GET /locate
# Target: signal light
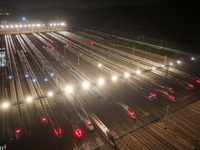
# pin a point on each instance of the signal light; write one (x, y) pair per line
(190, 85)
(52, 42)
(44, 119)
(52, 74)
(18, 131)
(170, 88)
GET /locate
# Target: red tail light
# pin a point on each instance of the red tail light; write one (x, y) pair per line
(52, 42)
(78, 133)
(171, 97)
(52, 47)
(131, 112)
(56, 132)
(198, 81)
(92, 43)
(170, 88)
(59, 131)
(190, 85)
(153, 94)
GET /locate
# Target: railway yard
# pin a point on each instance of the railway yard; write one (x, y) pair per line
(68, 90)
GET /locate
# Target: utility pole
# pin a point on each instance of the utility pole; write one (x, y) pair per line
(3, 125)
(133, 50)
(167, 110)
(65, 50)
(4, 120)
(43, 65)
(78, 60)
(165, 60)
(198, 134)
(78, 39)
(92, 50)
(56, 46)
(138, 64)
(109, 53)
(161, 42)
(166, 116)
(57, 83)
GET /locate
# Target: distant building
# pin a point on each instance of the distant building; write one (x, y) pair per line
(8, 9)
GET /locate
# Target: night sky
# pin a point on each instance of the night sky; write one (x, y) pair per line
(24, 4)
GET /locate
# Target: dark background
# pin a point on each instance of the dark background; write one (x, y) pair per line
(175, 20)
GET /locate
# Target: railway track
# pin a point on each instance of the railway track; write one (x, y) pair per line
(35, 60)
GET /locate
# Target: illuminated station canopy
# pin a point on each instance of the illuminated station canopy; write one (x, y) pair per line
(35, 25)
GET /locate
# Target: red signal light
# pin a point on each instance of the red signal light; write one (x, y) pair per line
(89, 123)
(18, 131)
(44, 119)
